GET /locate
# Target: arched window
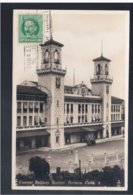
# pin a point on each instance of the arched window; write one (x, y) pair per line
(106, 69)
(56, 57)
(98, 69)
(46, 56)
(107, 131)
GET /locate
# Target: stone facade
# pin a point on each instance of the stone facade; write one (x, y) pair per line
(70, 114)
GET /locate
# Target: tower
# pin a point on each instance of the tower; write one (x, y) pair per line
(51, 76)
(101, 85)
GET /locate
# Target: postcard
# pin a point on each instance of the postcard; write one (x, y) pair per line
(70, 100)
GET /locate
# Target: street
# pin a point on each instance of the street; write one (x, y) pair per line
(67, 159)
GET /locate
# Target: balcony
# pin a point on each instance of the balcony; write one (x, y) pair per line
(82, 124)
(51, 70)
(101, 78)
(28, 128)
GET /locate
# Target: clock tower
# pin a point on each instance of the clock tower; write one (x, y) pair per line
(51, 76)
(101, 85)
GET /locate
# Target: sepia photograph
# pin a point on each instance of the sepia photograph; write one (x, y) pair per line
(70, 100)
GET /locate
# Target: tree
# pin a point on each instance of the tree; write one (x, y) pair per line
(40, 167)
(112, 175)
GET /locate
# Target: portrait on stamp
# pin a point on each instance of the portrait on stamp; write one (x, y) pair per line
(30, 28)
(70, 101)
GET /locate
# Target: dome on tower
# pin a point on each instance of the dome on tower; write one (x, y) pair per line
(101, 58)
(52, 42)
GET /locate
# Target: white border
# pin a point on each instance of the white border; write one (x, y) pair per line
(14, 187)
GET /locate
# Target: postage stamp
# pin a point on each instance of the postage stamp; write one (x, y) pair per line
(30, 28)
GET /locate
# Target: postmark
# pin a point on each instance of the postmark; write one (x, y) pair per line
(30, 56)
(30, 28)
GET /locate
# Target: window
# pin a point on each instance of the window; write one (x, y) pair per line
(79, 108)
(25, 107)
(86, 108)
(71, 119)
(57, 139)
(64, 108)
(36, 107)
(107, 89)
(96, 108)
(30, 120)
(31, 107)
(92, 108)
(106, 69)
(82, 108)
(85, 118)
(18, 107)
(67, 120)
(67, 108)
(41, 107)
(78, 119)
(46, 56)
(24, 121)
(56, 57)
(98, 69)
(18, 121)
(36, 120)
(82, 119)
(71, 108)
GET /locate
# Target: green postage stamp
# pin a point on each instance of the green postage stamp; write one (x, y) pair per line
(30, 28)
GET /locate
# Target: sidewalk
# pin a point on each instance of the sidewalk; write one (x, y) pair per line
(117, 137)
(79, 145)
(73, 146)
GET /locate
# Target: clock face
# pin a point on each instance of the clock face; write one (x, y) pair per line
(58, 82)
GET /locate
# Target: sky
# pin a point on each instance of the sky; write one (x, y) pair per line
(82, 32)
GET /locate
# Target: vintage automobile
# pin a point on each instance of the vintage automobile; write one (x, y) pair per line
(91, 140)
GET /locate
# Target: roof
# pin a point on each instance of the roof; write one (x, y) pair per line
(28, 92)
(82, 85)
(51, 41)
(34, 82)
(85, 99)
(68, 87)
(116, 100)
(22, 89)
(101, 58)
(32, 133)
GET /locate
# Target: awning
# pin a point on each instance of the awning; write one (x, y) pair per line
(93, 128)
(89, 129)
(118, 124)
(74, 130)
(83, 129)
(32, 133)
